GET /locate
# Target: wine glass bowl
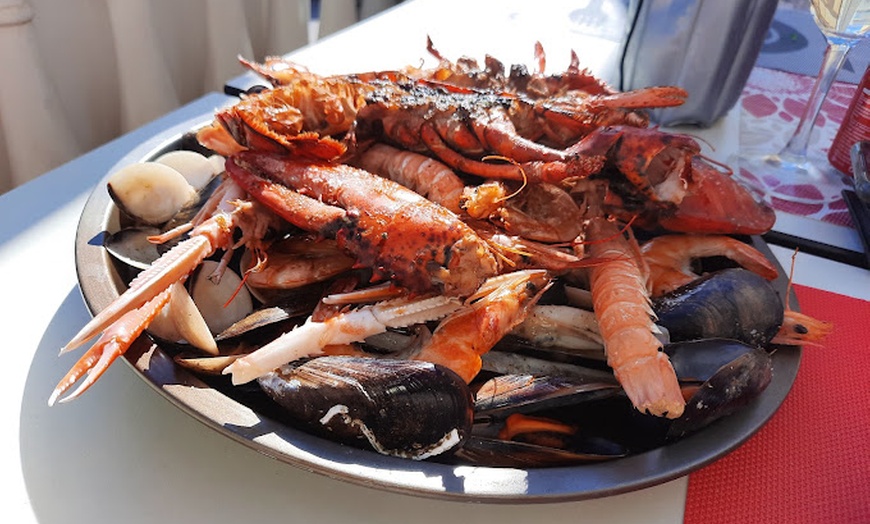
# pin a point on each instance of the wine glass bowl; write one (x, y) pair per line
(843, 23)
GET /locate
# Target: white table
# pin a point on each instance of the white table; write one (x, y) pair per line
(121, 453)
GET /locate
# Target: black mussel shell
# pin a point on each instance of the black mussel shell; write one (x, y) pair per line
(494, 452)
(696, 361)
(731, 303)
(605, 425)
(508, 394)
(743, 373)
(131, 246)
(402, 408)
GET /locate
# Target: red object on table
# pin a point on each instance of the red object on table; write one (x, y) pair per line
(811, 462)
(855, 127)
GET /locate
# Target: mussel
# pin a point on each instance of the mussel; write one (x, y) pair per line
(494, 452)
(509, 394)
(503, 398)
(132, 247)
(718, 376)
(731, 303)
(403, 408)
(728, 373)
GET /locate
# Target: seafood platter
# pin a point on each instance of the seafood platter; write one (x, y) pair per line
(466, 282)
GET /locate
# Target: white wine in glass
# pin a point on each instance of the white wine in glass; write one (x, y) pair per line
(843, 23)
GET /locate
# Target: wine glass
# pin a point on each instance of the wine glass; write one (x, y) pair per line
(843, 23)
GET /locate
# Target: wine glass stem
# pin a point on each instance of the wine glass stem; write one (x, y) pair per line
(835, 55)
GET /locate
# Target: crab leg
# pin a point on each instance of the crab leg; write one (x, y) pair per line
(112, 344)
(170, 268)
(132, 312)
(310, 338)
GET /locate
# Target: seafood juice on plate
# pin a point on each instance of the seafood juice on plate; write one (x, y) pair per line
(462, 265)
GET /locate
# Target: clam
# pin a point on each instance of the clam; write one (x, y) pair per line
(222, 301)
(181, 321)
(218, 163)
(197, 169)
(149, 192)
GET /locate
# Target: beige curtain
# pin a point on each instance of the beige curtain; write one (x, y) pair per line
(78, 73)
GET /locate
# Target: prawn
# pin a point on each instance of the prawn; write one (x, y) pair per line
(501, 304)
(669, 258)
(625, 317)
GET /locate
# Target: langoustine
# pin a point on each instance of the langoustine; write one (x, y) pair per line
(136, 308)
(659, 182)
(625, 315)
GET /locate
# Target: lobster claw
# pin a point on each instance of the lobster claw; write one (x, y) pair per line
(716, 203)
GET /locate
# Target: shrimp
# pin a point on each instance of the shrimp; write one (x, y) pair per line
(426, 176)
(669, 258)
(798, 328)
(498, 307)
(622, 306)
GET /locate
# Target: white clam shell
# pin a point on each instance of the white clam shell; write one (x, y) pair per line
(181, 321)
(211, 298)
(150, 192)
(194, 167)
(218, 163)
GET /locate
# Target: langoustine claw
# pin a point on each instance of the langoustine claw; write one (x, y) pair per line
(112, 344)
(312, 337)
(125, 318)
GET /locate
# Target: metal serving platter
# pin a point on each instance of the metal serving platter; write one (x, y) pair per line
(101, 283)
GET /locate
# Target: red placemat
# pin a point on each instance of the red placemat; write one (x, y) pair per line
(811, 462)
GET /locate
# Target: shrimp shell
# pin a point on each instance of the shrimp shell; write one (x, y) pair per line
(622, 306)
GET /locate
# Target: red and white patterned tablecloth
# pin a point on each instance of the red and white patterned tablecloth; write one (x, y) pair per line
(771, 106)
